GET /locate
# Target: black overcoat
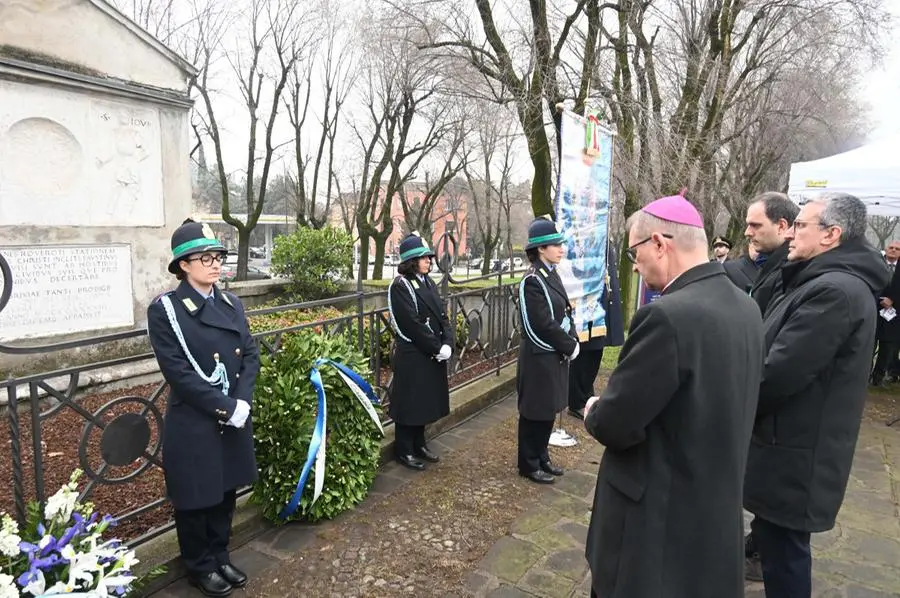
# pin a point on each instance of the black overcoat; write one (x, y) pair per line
(676, 418)
(419, 389)
(202, 457)
(542, 377)
(889, 332)
(742, 272)
(611, 299)
(820, 334)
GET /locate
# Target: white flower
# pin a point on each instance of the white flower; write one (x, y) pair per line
(9, 537)
(36, 587)
(60, 506)
(8, 587)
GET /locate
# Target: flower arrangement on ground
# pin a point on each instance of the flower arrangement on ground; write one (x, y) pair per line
(61, 550)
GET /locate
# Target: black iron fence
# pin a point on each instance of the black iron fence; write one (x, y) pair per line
(106, 417)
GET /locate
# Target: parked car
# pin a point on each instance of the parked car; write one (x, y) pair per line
(229, 270)
(475, 263)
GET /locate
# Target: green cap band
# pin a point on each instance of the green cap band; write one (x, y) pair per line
(187, 246)
(547, 239)
(417, 252)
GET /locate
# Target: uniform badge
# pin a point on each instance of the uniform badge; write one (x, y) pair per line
(544, 272)
(415, 284)
(208, 231)
(188, 303)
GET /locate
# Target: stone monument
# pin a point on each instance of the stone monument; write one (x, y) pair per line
(94, 168)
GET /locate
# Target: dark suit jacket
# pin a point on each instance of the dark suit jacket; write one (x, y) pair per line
(676, 419)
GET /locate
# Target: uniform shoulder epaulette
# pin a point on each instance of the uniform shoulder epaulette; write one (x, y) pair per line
(161, 295)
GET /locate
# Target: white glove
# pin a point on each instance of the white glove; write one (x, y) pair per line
(445, 353)
(241, 412)
(575, 352)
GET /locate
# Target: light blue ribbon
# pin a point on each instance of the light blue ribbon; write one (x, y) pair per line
(363, 391)
(219, 374)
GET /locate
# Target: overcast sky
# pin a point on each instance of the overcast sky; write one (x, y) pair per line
(881, 87)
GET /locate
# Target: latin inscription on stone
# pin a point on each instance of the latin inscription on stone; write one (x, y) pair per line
(63, 289)
(75, 160)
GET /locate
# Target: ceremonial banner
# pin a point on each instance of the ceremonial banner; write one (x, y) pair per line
(582, 211)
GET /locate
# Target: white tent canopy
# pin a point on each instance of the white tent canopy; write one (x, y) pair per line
(870, 172)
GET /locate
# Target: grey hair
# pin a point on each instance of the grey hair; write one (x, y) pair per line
(845, 211)
(686, 238)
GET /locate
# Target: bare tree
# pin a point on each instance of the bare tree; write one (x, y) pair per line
(326, 68)
(395, 138)
(533, 65)
(269, 38)
(883, 227)
(420, 199)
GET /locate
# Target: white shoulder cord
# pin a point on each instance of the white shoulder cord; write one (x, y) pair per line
(219, 374)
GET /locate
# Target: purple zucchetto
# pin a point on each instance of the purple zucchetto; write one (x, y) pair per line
(675, 208)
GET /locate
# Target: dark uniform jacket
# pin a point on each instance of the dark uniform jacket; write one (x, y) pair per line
(542, 377)
(611, 299)
(676, 418)
(820, 335)
(202, 457)
(419, 389)
(889, 332)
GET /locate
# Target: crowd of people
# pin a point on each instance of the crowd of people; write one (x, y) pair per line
(741, 387)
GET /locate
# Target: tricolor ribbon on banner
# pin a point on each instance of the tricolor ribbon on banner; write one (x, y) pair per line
(362, 390)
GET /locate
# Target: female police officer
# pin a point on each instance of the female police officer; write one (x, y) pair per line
(547, 346)
(424, 337)
(203, 345)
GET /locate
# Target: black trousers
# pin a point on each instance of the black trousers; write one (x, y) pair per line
(408, 439)
(582, 373)
(786, 559)
(886, 361)
(534, 436)
(203, 535)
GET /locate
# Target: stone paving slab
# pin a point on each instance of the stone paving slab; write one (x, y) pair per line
(543, 552)
(860, 558)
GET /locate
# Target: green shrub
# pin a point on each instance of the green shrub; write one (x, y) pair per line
(293, 317)
(462, 332)
(284, 415)
(312, 260)
(385, 341)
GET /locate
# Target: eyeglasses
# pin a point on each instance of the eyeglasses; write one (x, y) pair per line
(631, 252)
(800, 224)
(207, 259)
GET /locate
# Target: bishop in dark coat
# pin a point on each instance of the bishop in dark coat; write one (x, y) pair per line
(676, 419)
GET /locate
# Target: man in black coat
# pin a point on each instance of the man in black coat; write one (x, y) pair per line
(770, 217)
(819, 336)
(744, 270)
(583, 371)
(675, 419)
(888, 331)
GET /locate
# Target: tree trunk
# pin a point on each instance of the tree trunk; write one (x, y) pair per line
(539, 149)
(378, 269)
(243, 251)
(363, 256)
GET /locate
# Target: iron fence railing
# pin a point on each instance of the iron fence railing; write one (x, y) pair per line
(111, 428)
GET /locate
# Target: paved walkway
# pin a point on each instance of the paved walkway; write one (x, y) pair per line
(541, 553)
(860, 558)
